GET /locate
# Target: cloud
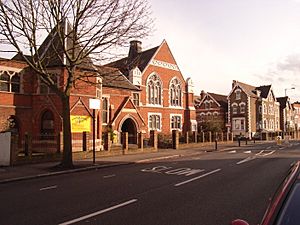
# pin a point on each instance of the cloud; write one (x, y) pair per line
(283, 74)
(291, 63)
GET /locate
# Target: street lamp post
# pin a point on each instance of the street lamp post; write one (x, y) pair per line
(288, 89)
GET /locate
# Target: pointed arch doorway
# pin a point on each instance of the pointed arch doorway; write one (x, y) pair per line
(129, 126)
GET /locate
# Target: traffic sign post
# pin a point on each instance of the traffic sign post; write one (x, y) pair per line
(94, 104)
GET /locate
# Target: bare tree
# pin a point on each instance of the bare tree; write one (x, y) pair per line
(78, 33)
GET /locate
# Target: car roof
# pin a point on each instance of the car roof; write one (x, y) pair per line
(281, 194)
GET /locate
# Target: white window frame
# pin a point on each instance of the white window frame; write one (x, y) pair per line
(238, 94)
(237, 124)
(160, 121)
(234, 108)
(135, 101)
(175, 93)
(180, 125)
(242, 106)
(107, 111)
(155, 90)
(10, 83)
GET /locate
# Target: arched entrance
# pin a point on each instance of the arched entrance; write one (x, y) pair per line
(130, 127)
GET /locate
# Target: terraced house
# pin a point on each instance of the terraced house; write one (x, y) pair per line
(267, 110)
(287, 123)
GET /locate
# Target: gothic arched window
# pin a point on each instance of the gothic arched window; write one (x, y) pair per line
(9, 81)
(154, 90)
(175, 93)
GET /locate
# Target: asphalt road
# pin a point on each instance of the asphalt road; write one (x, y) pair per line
(199, 189)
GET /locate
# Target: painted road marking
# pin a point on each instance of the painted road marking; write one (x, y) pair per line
(48, 188)
(269, 147)
(269, 153)
(246, 160)
(109, 176)
(247, 152)
(262, 153)
(197, 178)
(265, 153)
(99, 212)
(173, 171)
(158, 158)
(231, 152)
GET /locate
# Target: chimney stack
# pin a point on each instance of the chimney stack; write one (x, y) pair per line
(234, 83)
(202, 94)
(135, 49)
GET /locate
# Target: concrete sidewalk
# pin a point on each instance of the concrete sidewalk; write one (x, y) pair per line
(31, 171)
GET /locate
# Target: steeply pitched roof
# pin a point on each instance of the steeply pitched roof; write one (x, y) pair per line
(51, 50)
(221, 99)
(112, 77)
(141, 61)
(282, 101)
(264, 90)
(249, 89)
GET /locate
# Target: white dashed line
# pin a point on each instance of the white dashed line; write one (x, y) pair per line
(48, 188)
(231, 152)
(99, 212)
(109, 176)
(197, 178)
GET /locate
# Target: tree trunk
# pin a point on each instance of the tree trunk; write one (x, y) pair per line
(67, 160)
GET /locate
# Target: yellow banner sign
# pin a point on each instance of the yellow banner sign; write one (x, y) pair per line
(80, 124)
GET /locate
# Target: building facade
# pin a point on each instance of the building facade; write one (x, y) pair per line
(163, 99)
(211, 112)
(267, 110)
(28, 106)
(296, 109)
(253, 111)
(242, 101)
(287, 123)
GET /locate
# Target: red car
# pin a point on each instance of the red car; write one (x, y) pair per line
(284, 209)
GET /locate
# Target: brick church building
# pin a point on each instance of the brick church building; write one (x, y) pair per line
(156, 96)
(142, 92)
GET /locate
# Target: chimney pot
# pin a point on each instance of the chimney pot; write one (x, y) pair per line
(135, 49)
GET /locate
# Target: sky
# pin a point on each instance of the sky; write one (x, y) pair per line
(216, 41)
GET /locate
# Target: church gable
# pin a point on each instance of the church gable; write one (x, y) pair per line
(164, 58)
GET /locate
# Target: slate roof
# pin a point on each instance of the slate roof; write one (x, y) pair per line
(113, 78)
(141, 61)
(282, 101)
(51, 50)
(249, 89)
(264, 90)
(221, 99)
